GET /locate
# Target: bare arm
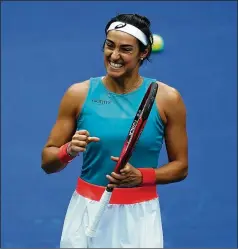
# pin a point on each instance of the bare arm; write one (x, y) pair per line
(64, 128)
(175, 140)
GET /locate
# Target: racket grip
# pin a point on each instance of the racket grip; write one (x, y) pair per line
(104, 201)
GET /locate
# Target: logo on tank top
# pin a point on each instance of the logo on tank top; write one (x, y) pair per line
(101, 102)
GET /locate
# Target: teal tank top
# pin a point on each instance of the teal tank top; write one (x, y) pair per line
(109, 115)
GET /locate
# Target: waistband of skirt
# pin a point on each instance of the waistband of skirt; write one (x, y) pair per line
(119, 195)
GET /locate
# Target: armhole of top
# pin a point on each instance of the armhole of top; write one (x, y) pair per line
(158, 110)
(79, 115)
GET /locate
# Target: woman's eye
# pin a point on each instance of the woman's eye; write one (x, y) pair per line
(109, 45)
(127, 49)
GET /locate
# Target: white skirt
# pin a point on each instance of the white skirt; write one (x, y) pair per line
(135, 225)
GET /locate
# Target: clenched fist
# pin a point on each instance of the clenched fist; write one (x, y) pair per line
(79, 142)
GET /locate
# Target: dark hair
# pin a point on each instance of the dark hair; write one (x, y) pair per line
(142, 23)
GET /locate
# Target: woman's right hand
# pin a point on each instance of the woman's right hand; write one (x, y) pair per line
(79, 142)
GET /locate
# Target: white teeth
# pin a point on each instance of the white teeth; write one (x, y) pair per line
(115, 65)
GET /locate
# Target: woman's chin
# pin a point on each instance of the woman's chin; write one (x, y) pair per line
(115, 73)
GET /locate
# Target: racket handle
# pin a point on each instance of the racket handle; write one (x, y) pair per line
(104, 201)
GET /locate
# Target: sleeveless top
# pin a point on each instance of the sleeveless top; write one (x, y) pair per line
(109, 116)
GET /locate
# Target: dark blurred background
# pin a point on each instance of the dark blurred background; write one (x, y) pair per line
(47, 46)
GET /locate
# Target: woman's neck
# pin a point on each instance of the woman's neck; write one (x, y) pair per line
(123, 85)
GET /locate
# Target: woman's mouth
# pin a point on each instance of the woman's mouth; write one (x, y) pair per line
(115, 65)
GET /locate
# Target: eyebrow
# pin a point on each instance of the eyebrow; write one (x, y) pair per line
(123, 45)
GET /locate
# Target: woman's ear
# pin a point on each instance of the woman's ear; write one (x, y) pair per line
(144, 54)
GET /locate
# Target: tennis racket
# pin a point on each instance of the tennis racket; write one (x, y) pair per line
(134, 133)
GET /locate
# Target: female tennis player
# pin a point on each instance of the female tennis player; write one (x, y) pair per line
(93, 120)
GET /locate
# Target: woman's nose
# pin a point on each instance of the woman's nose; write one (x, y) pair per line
(115, 55)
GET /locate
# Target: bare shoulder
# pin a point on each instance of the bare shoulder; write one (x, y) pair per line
(168, 93)
(74, 98)
(170, 102)
(78, 89)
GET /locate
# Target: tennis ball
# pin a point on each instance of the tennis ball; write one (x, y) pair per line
(158, 43)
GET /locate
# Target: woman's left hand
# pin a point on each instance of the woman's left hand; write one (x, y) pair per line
(129, 176)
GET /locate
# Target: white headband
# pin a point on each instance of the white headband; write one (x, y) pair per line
(130, 29)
